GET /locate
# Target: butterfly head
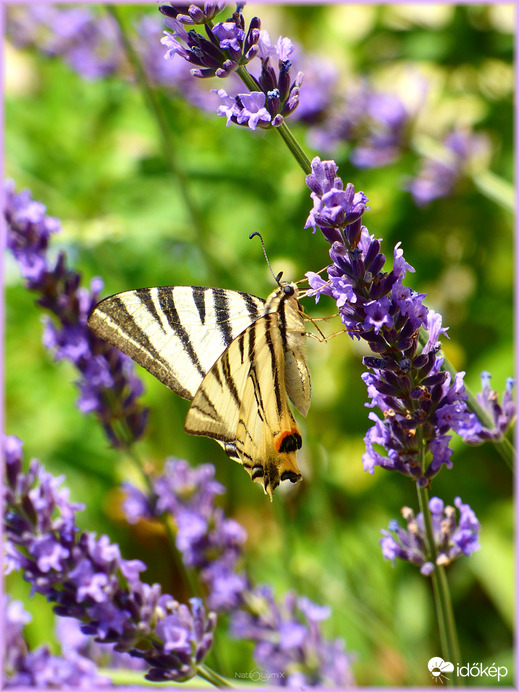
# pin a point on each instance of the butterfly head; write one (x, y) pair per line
(288, 289)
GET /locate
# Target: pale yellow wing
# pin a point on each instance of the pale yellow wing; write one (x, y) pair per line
(175, 332)
(242, 402)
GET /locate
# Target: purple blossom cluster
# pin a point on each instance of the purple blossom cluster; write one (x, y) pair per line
(438, 176)
(452, 538)
(39, 668)
(502, 416)
(207, 540)
(376, 125)
(86, 578)
(108, 384)
(75, 643)
(228, 48)
(289, 644)
(90, 43)
(290, 647)
(420, 403)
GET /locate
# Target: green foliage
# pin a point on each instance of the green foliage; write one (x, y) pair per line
(92, 153)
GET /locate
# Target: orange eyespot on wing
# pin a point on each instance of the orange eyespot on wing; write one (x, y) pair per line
(288, 440)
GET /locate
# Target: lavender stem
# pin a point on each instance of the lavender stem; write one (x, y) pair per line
(292, 143)
(283, 129)
(444, 613)
(212, 677)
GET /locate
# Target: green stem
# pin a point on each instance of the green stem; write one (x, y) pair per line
(169, 148)
(247, 78)
(296, 151)
(283, 129)
(208, 674)
(444, 612)
(445, 596)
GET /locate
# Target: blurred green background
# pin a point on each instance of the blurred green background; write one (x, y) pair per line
(90, 151)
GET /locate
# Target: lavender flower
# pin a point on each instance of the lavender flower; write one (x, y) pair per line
(91, 45)
(452, 538)
(206, 539)
(438, 176)
(373, 122)
(86, 577)
(420, 403)
(244, 108)
(227, 45)
(288, 638)
(74, 643)
(39, 668)
(502, 416)
(108, 384)
(89, 42)
(228, 48)
(289, 642)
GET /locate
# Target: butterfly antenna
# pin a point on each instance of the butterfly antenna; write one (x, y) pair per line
(276, 278)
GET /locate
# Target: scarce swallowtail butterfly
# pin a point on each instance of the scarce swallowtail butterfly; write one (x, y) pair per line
(236, 357)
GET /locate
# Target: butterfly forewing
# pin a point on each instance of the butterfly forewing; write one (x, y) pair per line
(234, 355)
(176, 333)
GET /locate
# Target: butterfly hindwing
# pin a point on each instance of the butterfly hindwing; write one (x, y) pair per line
(242, 403)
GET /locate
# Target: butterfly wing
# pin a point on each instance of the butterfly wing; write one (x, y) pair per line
(175, 332)
(234, 355)
(293, 334)
(242, 402)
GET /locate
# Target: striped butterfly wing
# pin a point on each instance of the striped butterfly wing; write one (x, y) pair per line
(242, 402)
(176, 333)
(235, 356)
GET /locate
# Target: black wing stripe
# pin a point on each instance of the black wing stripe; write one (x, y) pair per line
(216, 415)
(223, 314)
(199, 299)
(216, 374)
(229, 380)
(257, 394)
(252, 344)
(283, 323)
(167, 304)
(242, 422)
(128, 326)
(146, 299)
(241, 344)
(251, 305)
(253, 374)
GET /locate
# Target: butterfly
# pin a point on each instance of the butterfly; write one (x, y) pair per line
(236, 357)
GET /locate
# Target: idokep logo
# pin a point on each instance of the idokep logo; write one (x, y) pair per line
(439, 667)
